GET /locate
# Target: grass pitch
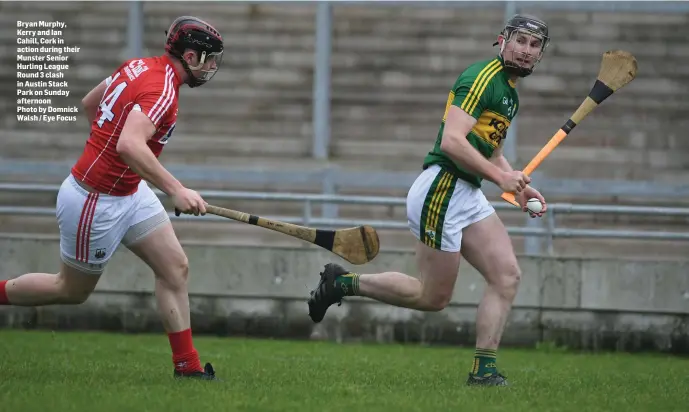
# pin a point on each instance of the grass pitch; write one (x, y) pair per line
(61, 371)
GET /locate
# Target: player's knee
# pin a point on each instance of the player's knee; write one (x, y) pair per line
(435, 301)
(180, 271)
(508, 280)
(176, 272)
(74, 286)
(438, 303)
(183, 269)
(72, 296)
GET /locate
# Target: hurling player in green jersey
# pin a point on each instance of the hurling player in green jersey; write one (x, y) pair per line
(446, 209)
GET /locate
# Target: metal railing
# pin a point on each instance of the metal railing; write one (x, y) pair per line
(545, 228)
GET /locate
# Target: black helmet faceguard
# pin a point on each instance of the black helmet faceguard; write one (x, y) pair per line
(531, 28)
(189, 32)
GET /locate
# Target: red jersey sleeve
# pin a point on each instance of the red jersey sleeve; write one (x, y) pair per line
(157, 96)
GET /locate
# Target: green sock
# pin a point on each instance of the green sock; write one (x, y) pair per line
(348, 284)
(485, 362)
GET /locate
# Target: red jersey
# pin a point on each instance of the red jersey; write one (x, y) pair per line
(149, 85)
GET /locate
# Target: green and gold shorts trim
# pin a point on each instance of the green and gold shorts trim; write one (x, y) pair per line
(440, 206)
(435, 208)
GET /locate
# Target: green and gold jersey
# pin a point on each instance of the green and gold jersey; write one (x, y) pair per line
(486, 93)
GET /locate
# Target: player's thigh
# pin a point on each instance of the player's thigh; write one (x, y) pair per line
(488, 247)
(152, 238)
(438, 272)
(162, 252)
(91, 226)
(76, 284)
(435, 206)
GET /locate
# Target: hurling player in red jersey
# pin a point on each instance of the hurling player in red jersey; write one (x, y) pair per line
(105, 201)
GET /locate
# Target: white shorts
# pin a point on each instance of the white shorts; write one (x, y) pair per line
(440, 206)
(92, 225)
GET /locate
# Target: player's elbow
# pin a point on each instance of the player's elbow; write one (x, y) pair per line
(497, 159)
(135, 134)
(122, 148)
(92, 99)
(457, 126)
(445, 143)
(451, 142)
(125, 147)
(88, 105)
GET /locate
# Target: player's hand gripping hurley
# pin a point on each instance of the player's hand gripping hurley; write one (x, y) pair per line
(618, 68)
(356, 245)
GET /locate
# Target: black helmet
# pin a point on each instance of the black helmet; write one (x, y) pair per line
(188, 32)
(524, 23)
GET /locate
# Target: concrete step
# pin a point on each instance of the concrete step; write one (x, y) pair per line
(265, 40)
(60, 7)
(598, 31)
(185, 149)
(567, 65)
(391, 145)
(437, 15)
(666, 107)
(595, 132)
(358, 121)
(256, 110)
(423, 101)
(214, 11)
(670, 106)
(644, 21)
(296, 90)
(449, 65)
(551, 74)
(229, 128)
(646, 49)
(616, 159)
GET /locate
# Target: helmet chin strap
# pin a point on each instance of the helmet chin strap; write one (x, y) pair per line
(193, 80)
(516, 70)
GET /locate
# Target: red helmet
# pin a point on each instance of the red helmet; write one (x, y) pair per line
(188, 32)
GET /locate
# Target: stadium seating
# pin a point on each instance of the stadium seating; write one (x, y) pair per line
(391, 71)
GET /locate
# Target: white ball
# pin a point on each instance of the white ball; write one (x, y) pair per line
(534, 205)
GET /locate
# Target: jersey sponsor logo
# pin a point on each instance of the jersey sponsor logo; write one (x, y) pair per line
(491, 127)
(135, 68)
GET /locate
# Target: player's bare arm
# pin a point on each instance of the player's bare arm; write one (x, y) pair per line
(454, 142)
(499, 160)
(457, 125)
(132, 147)
(92, 99)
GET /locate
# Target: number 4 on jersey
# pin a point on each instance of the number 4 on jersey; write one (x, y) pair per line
(108, 101)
